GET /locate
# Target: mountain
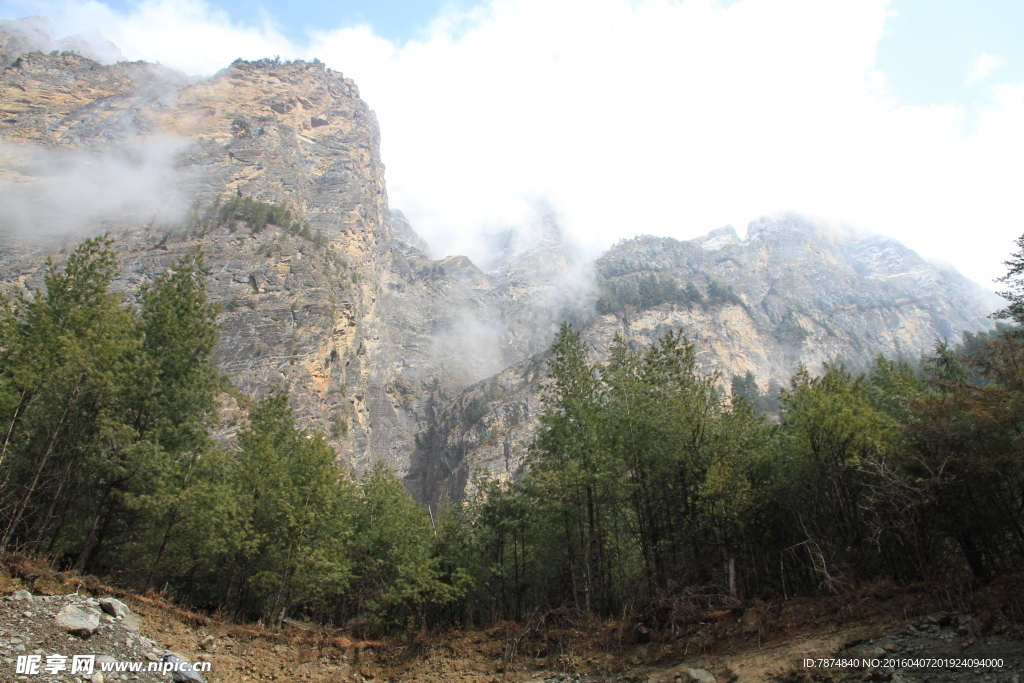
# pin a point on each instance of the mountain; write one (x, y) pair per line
(430, 365)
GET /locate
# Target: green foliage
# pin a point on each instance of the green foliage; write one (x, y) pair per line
(475, 411)
(104, 406)
(1014, 280)
(401, 580)
(642, 488)
(256, 215)
(637, 469)
(746, 387)
(644, 292)
(295, 514)
(832, 436)
(945, 367)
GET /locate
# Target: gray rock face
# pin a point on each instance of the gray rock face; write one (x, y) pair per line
(431, 366)
(78, 620)
(114, 607)
(807, 294)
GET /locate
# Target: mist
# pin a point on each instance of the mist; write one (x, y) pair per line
(29, 34)
(62, 191)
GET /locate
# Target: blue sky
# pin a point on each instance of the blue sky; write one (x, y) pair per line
(396, 20)
(670, 117)
(930, 47)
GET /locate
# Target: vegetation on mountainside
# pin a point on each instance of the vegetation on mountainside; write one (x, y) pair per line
(255, 215)
(645, 487)
(643, 292)
(761, 402)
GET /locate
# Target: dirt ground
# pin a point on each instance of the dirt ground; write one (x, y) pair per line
(927, 633)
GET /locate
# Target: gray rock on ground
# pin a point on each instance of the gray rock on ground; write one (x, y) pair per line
(114, 607)
(79, 621)
(700, 675)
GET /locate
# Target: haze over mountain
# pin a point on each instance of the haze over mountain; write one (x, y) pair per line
(430, 365)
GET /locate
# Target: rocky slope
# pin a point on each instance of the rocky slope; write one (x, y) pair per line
(897, 630)
(429, 365)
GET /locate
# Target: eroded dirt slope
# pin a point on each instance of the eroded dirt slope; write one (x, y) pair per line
(754, 641)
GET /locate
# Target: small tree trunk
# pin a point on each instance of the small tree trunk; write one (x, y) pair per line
(26, 399)
(16, 518)
(732, 578)
(90, 541)
(163, 547)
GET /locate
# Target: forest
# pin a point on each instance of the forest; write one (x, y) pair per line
(648, 487)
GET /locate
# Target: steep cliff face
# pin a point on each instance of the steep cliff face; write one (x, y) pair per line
(432, 366)
(366, 329)
(293, 311)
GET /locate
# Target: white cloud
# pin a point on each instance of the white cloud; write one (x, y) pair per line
(984, 65)
(52, 191)
(644, 116)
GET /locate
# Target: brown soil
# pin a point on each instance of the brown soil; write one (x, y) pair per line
(754, 641)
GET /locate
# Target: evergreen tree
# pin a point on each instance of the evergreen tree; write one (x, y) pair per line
(295, 517)
(66, 353)
(400, 577)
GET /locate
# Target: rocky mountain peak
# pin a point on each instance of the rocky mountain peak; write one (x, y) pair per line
(718, 238)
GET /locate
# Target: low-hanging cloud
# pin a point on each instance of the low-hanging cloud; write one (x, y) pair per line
(644, 116)
(58, 191)
(28, 34)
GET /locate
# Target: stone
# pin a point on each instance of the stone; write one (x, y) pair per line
(700, 675)
(131, 623)
(209, 644)
(114, 607)
(78, 620)
(22, 595)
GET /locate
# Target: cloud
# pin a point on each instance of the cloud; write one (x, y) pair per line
(47, 191)
(643, 116)
(983, 66)
(37, 33)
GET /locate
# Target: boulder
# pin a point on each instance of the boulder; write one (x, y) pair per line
(700, 675)
(114, 607)
(78, 620)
